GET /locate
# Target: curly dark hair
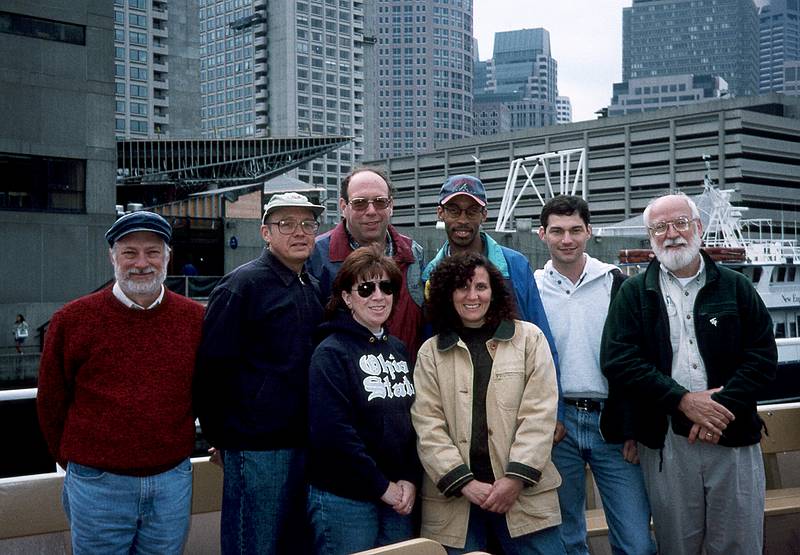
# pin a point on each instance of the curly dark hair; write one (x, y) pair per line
(454, 272)
(363, 263)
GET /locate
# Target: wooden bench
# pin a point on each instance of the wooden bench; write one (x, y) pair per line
(32, 518)
(783, 492)
(418, 546)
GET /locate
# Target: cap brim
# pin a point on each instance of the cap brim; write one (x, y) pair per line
(163, 235)
(315, 209)
(446, 199)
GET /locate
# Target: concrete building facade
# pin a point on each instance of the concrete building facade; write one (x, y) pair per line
(791, 78)
(779, 42)
(646, 94)
(280, 69)
(156, 68)
(563, 109)
(753, 144)
(57, 154)
(700, 37)
(424, 63)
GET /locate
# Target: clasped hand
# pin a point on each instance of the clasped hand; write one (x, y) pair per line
(497, 497)
(709, 417)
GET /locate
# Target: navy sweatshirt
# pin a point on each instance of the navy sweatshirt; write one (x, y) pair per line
(360, 396)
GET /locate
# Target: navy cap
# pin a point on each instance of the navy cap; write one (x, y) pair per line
(139, 221)
(463, 185)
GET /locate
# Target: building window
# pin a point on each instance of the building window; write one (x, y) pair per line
(138, 126)
(42, 184)
(138, 73)
(137, 20)
(17, 24)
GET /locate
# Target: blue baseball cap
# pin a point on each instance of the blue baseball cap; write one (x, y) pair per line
(463, 185)
(139, 221)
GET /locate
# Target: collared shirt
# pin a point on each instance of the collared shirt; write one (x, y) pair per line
(124, 299)
(679, 296)
(355, 244)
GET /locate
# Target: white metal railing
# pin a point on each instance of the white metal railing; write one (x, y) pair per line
(529, 165)
(17, 394)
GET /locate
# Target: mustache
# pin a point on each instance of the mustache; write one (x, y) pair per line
(143, 271)
(676, 242)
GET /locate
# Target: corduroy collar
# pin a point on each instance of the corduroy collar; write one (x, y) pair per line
(449, 338)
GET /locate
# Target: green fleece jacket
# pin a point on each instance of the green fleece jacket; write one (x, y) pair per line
(735, 339)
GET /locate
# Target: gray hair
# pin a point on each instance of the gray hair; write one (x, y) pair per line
(684, 196)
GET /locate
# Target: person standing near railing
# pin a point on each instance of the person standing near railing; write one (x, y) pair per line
(20, 332)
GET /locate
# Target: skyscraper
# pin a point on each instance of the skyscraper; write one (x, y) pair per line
(779, 22)
(293, 68)
(424, 74)
(700, 37)
(522, 75)
(156, 68)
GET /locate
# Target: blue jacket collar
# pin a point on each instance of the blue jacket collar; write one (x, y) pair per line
(491, 250)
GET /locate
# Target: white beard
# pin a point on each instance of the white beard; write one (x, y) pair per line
(139, 287)
(677, 259)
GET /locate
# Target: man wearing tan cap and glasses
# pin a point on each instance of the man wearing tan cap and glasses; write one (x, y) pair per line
(252, 381)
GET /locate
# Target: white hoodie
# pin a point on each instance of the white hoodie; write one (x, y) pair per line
(577, 314)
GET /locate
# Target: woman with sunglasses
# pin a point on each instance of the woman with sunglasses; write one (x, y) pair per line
(485, 412)
(363, 466)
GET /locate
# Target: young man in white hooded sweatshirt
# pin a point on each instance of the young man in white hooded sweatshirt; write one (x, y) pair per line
(576, 291)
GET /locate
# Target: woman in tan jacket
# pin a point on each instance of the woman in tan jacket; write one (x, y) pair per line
(484, 414)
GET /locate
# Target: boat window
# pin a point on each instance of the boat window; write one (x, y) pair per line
(780, 330)
(792, 274)
(779, 274)
(792, 329)
(756, 274)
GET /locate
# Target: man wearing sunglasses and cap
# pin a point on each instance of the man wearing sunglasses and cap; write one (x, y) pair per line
(365, 203)
(252, 381)
(115, 399)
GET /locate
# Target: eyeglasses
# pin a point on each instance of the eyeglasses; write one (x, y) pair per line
(454, 211)
(360, 204)
(365, 289)
(287, 227)
(680, 224)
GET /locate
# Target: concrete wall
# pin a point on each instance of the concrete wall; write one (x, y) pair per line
(184, 69)
(56, 99)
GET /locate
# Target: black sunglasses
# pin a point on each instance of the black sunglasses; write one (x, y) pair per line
(367, 288)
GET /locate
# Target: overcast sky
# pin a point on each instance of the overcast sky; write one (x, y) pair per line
(585, 40)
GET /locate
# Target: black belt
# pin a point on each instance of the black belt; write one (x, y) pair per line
(589, 405)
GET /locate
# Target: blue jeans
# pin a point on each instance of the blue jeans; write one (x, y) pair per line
(483, 524)
(620, 483)
(263, 502)
(115, 514)
(342, 526)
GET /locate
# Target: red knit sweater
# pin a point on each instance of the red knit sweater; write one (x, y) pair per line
(115, 384)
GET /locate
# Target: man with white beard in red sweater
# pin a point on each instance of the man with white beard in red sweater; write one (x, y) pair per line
(115, 400)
